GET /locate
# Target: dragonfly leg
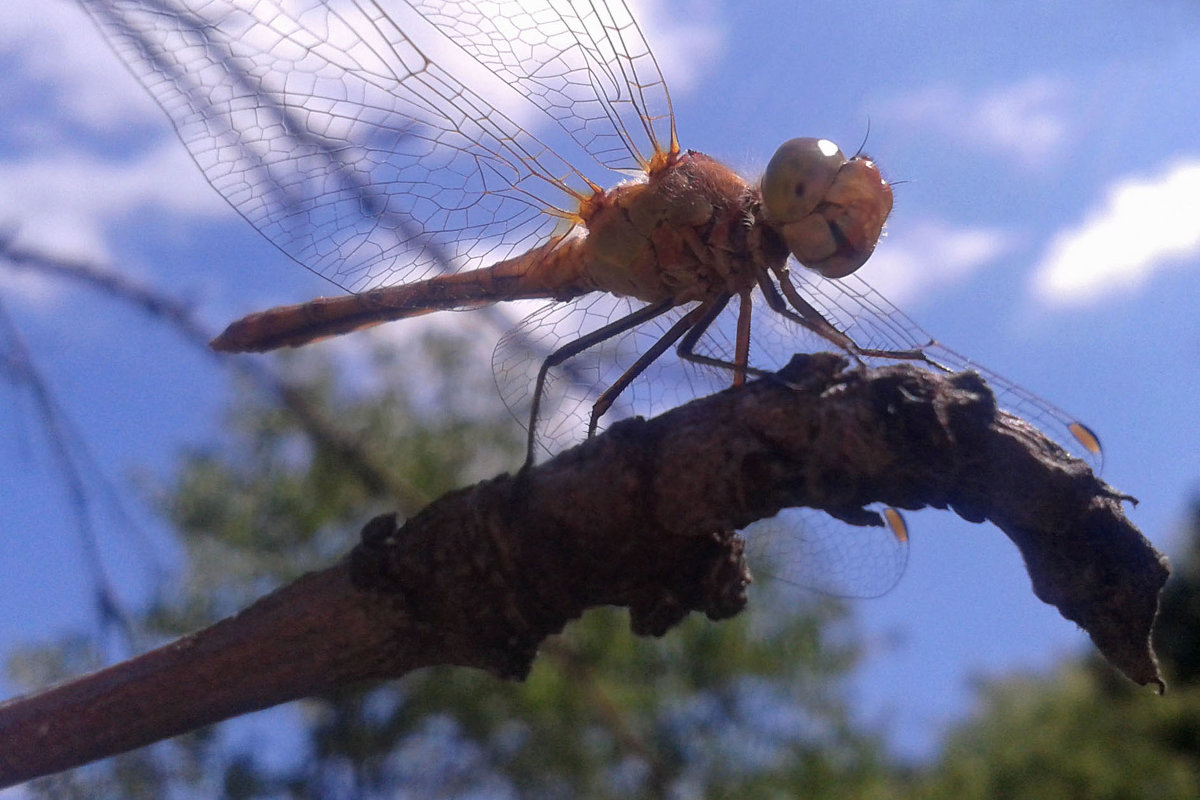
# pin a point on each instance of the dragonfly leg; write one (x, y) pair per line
(701, 314)
(741, 348)
(805, 314)
(574, 348)
(687, 345)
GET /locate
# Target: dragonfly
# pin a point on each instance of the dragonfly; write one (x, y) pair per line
(430, 155)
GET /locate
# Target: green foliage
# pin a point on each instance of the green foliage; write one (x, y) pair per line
(1078, 734)
(1085, 732)
(1177, 634)
(606, 714)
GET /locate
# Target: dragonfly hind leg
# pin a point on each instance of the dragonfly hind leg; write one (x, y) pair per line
(574, 348)
(699, 317)
(690, 327)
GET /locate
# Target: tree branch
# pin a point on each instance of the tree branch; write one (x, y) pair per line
(354, 455)
(642, 516)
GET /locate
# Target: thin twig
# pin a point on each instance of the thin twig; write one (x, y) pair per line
(354, 454)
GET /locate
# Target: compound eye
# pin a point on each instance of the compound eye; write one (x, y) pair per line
(798, 177)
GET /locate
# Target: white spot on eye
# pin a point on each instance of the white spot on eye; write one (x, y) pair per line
(798, 176)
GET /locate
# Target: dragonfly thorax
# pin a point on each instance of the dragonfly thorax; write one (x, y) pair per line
(688, 232)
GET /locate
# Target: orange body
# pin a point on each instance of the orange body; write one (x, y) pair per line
(688, 232)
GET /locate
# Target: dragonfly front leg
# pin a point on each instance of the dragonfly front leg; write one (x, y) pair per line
(805, 314)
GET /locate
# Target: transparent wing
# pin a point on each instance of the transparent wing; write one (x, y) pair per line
(867, 317)
(585, 63)
(799, 546)
(357, 150)
(814, 551)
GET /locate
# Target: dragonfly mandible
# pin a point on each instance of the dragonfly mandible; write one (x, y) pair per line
(389, 146)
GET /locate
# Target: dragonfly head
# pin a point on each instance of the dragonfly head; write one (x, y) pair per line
(829, 209)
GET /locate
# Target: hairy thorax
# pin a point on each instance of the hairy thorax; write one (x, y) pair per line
(688, 232)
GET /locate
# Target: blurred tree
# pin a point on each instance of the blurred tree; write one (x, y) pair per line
(752, 707)
(1084, 732)
(1177, 634)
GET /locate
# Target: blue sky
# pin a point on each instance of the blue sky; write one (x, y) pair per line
(1047, 224)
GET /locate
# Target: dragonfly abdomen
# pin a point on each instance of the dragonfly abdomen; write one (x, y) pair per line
(522, 278)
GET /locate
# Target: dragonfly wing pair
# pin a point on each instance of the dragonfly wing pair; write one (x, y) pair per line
(382, 143)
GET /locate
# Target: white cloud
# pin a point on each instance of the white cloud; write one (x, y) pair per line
(930, 255)
(58, 195)
(1024, 122)
(62, 51)
(687, 41)
(1145, 225)
(61, 203)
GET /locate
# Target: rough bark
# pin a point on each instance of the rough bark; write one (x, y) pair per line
(642, 516)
